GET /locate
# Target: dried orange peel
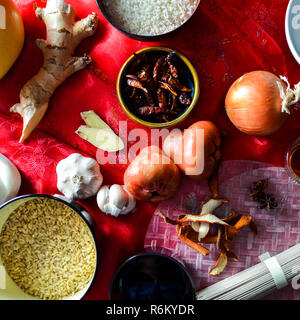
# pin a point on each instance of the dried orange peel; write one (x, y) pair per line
(220, 265)
(207, 218)
(184, 237)
(208, 207)
(194, 231)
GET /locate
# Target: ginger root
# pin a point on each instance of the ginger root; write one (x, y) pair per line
(63, 36)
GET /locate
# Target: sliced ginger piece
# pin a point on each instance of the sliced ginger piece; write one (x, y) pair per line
(99, 133)
(92, 120)
(104, 139)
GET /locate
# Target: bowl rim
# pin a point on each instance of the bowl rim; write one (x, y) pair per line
(145, 38)
(292, 148)
(77, 210)
(145, 254)
(289, 34)
(184, 115)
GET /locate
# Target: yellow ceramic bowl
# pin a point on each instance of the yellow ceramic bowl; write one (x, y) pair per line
(194, 82)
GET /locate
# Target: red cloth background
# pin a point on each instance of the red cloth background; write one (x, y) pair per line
(225, 39)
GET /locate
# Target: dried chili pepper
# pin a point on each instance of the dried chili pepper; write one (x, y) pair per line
(144, 73)
(174, 103)
(172, 68)
(150, 110)
(161, 62)
(133, 93)
(176, 84)
(168, 87)
(184, 99)
(132, 76)
(136, 84)
(165, 77)
(162, 98)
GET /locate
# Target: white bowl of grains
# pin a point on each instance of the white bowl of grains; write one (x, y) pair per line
(47, 250)
(148, 20)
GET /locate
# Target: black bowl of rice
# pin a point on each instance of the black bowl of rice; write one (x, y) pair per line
(148, 20)
(48, 249)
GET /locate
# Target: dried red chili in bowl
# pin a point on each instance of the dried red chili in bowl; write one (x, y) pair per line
(158, 87)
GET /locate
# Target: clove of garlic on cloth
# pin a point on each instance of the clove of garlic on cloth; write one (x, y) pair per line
(115, 200)
(78, 177)
(10, 180)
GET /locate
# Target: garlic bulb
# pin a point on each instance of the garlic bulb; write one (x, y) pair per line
(115, 200)
(78, 177)
(10, 180)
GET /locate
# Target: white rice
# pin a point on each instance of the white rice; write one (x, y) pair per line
(149, 17)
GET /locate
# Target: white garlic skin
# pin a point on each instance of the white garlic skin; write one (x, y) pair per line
(115, 200)
(78, 177)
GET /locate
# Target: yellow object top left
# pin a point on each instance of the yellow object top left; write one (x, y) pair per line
(11, 35)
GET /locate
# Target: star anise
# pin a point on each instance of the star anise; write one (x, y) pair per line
(258, 194)
(259, 187)
(267, 201)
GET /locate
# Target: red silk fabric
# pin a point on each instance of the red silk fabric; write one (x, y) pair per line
(223, 40)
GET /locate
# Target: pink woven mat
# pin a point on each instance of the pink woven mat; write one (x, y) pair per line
(278, 229)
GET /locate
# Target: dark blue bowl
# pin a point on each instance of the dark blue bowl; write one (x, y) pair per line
(152, 277)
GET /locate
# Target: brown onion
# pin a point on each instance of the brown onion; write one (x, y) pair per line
(254, 104)
(152, 176)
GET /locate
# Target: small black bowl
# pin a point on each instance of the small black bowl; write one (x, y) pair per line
(143, 37)
(152, 276)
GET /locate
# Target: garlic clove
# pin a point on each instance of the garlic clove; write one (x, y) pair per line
(131, 202)
(103, 197)
(118, 196)
(109, 208)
